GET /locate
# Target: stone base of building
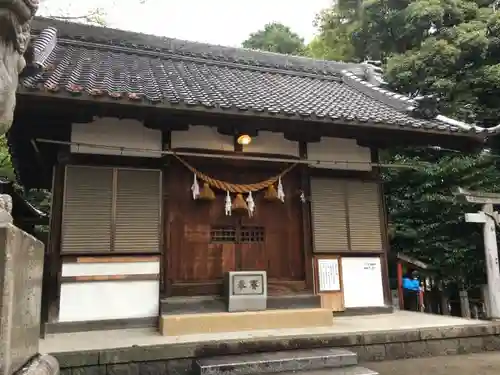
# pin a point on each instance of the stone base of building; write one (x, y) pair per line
(178, 358)
(400, 335)
(190, 324)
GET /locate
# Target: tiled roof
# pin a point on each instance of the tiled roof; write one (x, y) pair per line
(125, 66)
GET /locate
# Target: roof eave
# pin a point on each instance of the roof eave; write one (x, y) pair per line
(405, 104)
(199, 108)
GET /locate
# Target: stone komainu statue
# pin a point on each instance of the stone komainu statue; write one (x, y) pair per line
(15, 52)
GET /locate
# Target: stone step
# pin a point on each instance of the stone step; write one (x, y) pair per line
(350, 370)
(196, 324)
(285, 361)
(213, 304)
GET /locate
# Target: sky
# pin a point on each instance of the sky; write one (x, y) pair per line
(224, 22)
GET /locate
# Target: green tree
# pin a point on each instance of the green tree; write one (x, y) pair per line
(38, 197)
(6, 169)
(427, 219)
(333, 41)
(276, 37)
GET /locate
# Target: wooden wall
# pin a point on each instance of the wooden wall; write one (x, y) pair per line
(196, 263)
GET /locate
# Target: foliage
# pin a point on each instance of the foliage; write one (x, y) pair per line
(334, 40)
(39, 198)
(427, 219)
(94, 16)
(276, 37)
(6, 169)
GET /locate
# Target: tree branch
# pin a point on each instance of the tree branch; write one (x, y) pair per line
(63, 18)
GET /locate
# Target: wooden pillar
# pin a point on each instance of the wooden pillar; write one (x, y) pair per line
(53, 256)
(164, 237)
(307, 241)
(400, 286)
(384, 261)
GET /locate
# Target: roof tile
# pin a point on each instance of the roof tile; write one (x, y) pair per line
(175, 72)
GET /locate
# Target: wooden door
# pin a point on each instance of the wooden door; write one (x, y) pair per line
(202, 243)
(195, 263)
(251, 249)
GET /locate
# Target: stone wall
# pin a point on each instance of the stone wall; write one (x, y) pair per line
(21, 270)
(177, 359)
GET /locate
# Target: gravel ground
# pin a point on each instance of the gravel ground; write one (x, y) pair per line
(471, 364)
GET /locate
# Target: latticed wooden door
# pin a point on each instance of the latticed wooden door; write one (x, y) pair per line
(247, 243)
(346, 216)
(250, 248)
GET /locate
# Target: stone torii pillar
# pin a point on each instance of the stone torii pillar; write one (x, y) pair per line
(489, 219)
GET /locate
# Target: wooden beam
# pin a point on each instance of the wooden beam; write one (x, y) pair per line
(101, 278)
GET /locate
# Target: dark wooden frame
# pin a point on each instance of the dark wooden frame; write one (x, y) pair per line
(99, 258)
(182, 115)
(215, 287)
(326, 296)
(374, 176)
(162, 163)
(104, 278)
(355, 176)
(115, 161)
(316, 259)
(54, 257)
(61, 110)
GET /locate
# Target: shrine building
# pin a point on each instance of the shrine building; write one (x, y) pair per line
(185, 174)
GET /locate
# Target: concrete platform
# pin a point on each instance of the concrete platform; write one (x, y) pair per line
(192, 324)
(373, 338)
(467, 364)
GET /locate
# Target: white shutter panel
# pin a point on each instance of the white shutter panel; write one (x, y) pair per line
(364, 216)
(328, 212)
(137, 223)
(86, 221)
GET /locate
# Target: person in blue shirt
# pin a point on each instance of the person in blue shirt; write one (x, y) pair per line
(411, 291)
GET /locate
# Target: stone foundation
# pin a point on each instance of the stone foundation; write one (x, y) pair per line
(177, 359)
(190, 324)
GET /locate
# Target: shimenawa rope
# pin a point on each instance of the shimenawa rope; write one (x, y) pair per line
(234, 188)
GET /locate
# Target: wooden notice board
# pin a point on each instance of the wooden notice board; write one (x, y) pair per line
(328, 281)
